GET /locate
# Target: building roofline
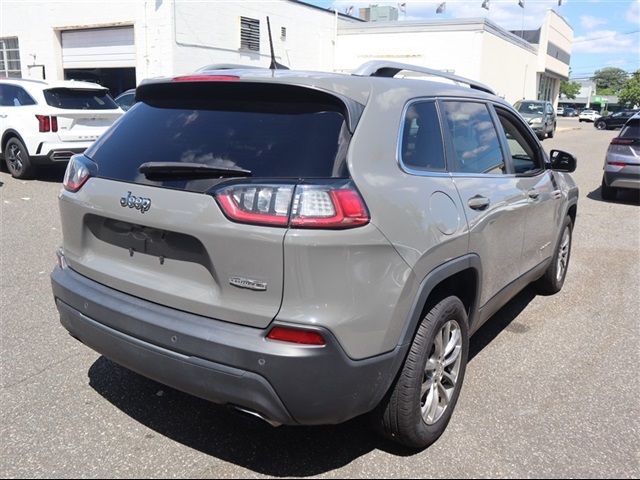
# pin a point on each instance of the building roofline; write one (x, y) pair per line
(327, 10)
(462, 24)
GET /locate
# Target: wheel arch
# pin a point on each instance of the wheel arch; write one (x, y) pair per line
(7, 135)
(461, 277)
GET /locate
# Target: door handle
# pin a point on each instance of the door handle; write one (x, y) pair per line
(533, 193)
(478, 202)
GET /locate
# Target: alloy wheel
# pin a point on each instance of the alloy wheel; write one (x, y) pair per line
(441, 372)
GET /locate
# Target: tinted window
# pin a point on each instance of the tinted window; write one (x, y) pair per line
(263, 138)
(125, 101)
(422, 139)
(522, 148)
(14, 96)
(71, 99)
(631, 129)
(474, 138)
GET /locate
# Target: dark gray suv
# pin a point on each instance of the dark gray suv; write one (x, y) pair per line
(309, 247)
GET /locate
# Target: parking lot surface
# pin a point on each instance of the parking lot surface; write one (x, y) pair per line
(552, 387)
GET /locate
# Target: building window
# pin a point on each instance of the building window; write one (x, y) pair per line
(249, 34)
(10, 57)
(283, 33)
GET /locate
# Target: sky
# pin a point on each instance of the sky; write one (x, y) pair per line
(606, 32)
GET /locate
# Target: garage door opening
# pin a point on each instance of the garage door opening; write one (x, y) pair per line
(103, 55)
(117, 80)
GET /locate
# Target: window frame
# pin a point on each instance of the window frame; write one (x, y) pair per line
(416, 171)
(526, 132)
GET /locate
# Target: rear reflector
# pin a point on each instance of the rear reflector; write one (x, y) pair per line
(617, 164)
(206, 78)
(296, 335)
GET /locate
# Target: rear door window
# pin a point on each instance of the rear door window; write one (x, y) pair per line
(79, 99)
(474, 138)
(14, 96)
(422, 147)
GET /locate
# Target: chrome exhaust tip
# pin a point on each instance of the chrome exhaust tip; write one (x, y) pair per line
(257, 415)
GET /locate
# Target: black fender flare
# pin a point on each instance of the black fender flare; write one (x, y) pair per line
(427, 285)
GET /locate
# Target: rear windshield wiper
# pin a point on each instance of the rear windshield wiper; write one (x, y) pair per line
(185, 169)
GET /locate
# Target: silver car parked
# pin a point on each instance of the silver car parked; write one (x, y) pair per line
(622, 163)
(309, 247)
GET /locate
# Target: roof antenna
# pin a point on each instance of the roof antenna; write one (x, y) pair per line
(274, 65)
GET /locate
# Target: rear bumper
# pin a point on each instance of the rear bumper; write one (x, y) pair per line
(625, 177)
(222, 362)
(48, 153)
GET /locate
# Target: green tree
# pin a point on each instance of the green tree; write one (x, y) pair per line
(609, 80)
(569, 89)
(630, 93)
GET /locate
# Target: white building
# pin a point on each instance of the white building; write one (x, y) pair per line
(475, 48)
(119, 43)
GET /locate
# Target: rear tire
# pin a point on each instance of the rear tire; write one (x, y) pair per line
(553, 279)
(419, 405)
(606, 192)
(17, 159)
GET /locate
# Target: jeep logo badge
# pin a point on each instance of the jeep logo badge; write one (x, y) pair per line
(139, 203)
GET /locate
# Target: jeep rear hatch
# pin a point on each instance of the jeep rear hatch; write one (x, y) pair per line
(156, 219)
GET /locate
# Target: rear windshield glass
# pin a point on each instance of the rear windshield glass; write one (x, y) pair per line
(266, 139)
(530, 107)
(71, 99)
(631, 129)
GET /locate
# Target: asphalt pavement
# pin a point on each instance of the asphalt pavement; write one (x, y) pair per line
(552, 388)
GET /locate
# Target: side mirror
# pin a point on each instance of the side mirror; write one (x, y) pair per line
(563, 161)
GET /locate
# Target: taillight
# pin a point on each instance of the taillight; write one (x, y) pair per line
(322, 207)
(206, 78)
(331, 206)
(257, 204)
(623, 141)
(296, 335)
(78, 172)
(44, 123)
(47, 124)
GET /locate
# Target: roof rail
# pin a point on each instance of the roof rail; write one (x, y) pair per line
(379, 68)
(227, 66)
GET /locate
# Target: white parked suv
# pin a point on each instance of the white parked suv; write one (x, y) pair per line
(588, 116)
(47, 122)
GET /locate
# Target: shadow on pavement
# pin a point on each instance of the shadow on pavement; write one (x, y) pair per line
(626, 196)
(222, 433)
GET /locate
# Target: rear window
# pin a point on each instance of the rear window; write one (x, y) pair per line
(631, 129)
(270, 140)
(76, 99)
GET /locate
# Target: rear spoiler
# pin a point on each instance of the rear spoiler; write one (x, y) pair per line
(223, 93)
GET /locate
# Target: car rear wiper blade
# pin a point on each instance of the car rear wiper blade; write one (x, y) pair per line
(185, 169)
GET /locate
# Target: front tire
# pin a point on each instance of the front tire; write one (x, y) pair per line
(17, 159)
(552, 133)
(601, 125)
(553, 279)
(419, 406)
